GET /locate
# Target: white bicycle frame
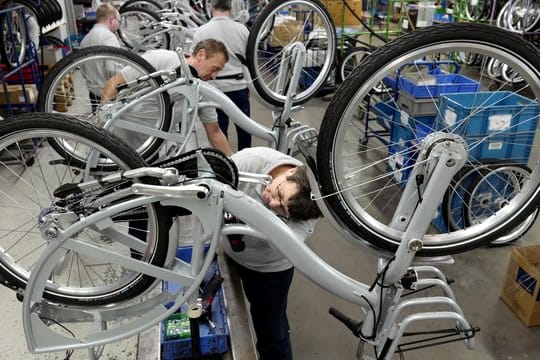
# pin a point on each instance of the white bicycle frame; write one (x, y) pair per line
(384, 324)
(282, 137)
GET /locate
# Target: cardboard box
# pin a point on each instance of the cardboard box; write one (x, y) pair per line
(521, 290)
(16, 95)
(51, 55)
(285, 32)
(341, 15)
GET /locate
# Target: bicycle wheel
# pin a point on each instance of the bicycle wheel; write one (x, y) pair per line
(278, 26)
(13, 37)
(492, 190)
(138, 26)
(350, 61)
(74, 84)
(363, 187)
(463, 194)
(523, 15)
(34, 182)
(150, 5)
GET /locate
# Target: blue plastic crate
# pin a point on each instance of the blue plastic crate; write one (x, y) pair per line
(401, 135)
(512, 147)
(308, 76)
(456, 211)
(403, 118)
(402, 150)
(400, 163)
(212, 341)
(384, 111)
(488, 113)
(445, 84)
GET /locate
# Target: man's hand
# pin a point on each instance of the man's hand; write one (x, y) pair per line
(110, 91)
(217, 138)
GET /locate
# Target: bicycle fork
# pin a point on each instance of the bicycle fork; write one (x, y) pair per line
(441, 156)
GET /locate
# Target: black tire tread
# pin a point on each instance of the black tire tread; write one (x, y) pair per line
(370, 65)
(25, 122)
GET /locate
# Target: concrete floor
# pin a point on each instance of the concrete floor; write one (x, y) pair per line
(316, 335)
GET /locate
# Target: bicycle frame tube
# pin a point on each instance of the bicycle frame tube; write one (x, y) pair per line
(192, 92)
(236, 115)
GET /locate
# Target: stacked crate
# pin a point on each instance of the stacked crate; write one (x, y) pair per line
(500, 127)
(417, 98)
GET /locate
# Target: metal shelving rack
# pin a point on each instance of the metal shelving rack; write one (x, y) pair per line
(25, 69)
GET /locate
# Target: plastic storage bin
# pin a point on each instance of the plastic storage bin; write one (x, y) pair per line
(416, 106)
(401, 162)
(384, 111)
(488, 113)
(500, 125)
(403, 118)
(212, 341)
(444, 84)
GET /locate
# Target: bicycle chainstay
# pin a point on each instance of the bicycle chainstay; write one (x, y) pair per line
(223, 167)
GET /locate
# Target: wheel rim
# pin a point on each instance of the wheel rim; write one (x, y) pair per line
(31, 182)
(14, 37)
(280, 29)
(363, 177)
(137, 26)
(523, 16)
(71, 96)
(351, 61)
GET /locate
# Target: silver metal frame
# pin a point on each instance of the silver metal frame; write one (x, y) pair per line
(193, 89)
(207, 199)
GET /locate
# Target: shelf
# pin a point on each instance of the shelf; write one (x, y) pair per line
(52, 26)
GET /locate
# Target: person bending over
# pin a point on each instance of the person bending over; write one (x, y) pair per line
(265, 272)
(231, 80)
(206, 61)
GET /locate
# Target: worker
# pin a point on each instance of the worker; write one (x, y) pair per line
(103, 33)
(231, 80)
(207, 60)
(265, 272)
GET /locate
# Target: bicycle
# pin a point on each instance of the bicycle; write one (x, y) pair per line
(347, 178)
(147, 24)
(410, 130)
(271, 74)
(87, 221)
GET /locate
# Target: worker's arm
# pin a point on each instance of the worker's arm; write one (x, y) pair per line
(109, 91)
(217, 138)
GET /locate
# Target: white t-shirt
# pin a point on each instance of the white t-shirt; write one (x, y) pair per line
(234, 35)
(147, 111)
(98, 72)
(258, 254)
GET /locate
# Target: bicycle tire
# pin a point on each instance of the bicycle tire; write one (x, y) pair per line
(351, 59)
(151, 5)
(523, 16)
(80, 280)
(359, 187)
(137, 25)
(13, 38)
(456, 206)
(478, 206)
(270, 34)
(52, 96)
(56, 42)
